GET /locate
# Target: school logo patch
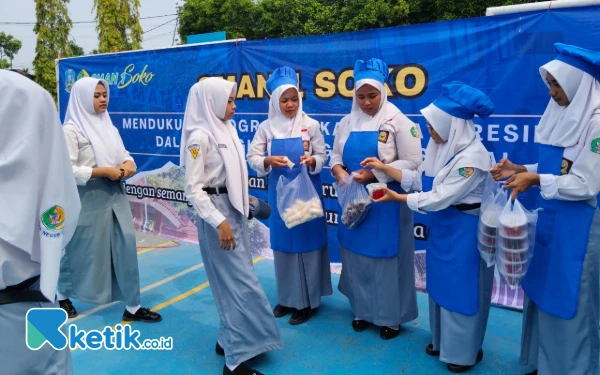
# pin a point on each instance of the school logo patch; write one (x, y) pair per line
(194, 150)
(54, 218)
(414, 132)
(596, 146)
(466, 171)
(383, 136)
(565, 166)
(306, 145)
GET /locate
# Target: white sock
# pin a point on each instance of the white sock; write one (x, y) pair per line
(133, 309)
(60, 297)
(231, 368)
(395, 328)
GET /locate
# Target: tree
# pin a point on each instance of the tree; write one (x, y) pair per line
(75, 49)
(52, 29)
(118, 25)
(9, 47)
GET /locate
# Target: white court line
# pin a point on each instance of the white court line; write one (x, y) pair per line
(143, 290)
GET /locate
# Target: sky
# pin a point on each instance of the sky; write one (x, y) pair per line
(85, 35)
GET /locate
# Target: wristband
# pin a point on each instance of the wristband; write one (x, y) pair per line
(122, 173)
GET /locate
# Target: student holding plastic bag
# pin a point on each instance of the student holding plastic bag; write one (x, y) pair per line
(378, 274)
(295, 149)
(455, 171)
(561, 306)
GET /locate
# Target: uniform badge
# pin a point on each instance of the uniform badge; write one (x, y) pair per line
(596, 146)
(414, 132)
(306, 145)
(54, 218)
(383, 136)
(466, 171)
(565, 166)
(194, 149)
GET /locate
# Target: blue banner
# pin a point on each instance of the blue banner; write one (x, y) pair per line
(500, 55)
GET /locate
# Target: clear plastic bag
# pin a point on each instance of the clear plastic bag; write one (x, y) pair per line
(492, 205)
(297, 200)
(354, 200)
(516, 241)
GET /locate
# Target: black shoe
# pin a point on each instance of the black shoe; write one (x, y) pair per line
(68, 307)
(142, 315)
(241, 370)
(360, 325)
(457, 369)
(302, 316)
(387, 333)
(534, 372)
(429, 350)
(219, 349)
(280, 311)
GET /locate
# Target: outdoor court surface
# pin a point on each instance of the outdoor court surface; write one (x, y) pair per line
(174, 282)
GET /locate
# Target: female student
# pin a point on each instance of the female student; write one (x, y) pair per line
(455, 169)
(378, 275)
(216, 183)
(561, 306)
(302, 270)
(100, 264)
(40, 216)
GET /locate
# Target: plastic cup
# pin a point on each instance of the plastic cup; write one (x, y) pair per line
(376, 190)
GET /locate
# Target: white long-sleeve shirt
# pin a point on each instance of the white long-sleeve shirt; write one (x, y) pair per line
(582, 181)
(312, 138)
(205, 169)
(16, 265)
(82, 154)
(401, 150)
(460, 186)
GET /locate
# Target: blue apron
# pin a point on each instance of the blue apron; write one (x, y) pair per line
(452, 258)
(377, 236)
(305, 237)
(562, 234)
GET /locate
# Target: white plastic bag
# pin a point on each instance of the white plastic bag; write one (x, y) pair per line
(354, 200)
(492, 205)
(516, 241)
(297, 200)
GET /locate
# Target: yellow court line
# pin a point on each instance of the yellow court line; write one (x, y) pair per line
(154, 247)
(176, 299)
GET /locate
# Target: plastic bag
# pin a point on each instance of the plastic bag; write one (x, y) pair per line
(516, 241)
(354, 200)
(297, 200)
(492, 205)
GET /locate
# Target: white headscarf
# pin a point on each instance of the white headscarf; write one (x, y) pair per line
(36, 176)
(459, 135)
(282, 126)
(205, 110)
(360, 121)
(565, 126)
(97, 127)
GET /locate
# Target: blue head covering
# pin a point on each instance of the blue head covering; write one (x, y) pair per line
(463, 101)
(281, 76)
(580, 58)
(371, 69)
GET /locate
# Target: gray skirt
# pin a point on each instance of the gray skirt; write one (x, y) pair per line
(559, 347)
(302, 278)
(382, 290)
(16, 358)
(100, 264)
(247, 325)
(459, 337)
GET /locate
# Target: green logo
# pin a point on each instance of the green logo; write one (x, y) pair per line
(415, 132)
(54, 218)
(466, 172)
(596, 146)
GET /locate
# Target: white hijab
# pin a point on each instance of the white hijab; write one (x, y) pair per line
(97, 127)
(205, 110)
(36, 176)
(282, 126)
(566, 126)
(459, 135)
(360, 121)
